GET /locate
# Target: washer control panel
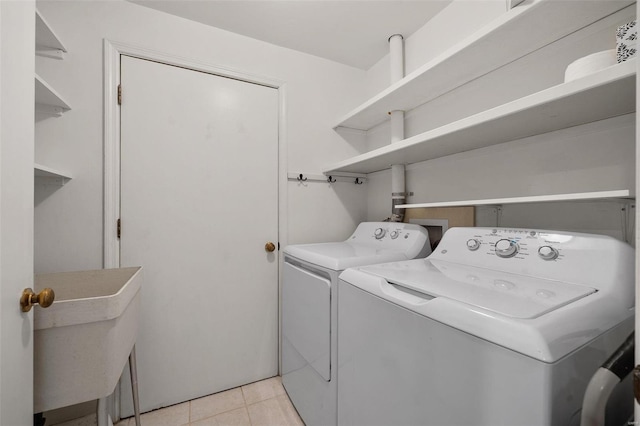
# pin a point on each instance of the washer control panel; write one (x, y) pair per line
(515, 243)
(393, 236)
(597, 260)
(385, 231)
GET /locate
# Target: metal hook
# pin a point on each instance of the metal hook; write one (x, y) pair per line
(358, 181)
(331, 179)
(301, 178)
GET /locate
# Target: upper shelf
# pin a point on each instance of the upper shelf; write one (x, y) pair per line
(499, 43)
(48, 101)
(47, 42)
(605, 94)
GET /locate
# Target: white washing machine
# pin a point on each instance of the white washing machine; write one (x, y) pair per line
(495, 327)
(309, 308)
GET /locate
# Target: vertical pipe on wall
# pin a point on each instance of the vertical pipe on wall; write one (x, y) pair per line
(396, 57)
(398, 192)
(397, 126)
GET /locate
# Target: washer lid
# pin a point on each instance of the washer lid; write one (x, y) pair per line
(343, 255)
(510, 295)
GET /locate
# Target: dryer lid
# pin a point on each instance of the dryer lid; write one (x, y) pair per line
(371, 242)
(507, 294)
(343, 255)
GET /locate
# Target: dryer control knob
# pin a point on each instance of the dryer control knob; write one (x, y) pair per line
(394, 234)
(379, 233)
(506, 248)
(547, 253)
(473, 244)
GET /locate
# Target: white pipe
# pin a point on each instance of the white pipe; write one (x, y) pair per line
(397, 126)
(396, 57)
(398, 191)
(397, 181)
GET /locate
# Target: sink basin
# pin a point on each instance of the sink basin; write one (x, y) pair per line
(82, 341)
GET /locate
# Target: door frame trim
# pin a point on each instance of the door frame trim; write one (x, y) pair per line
(111, 131)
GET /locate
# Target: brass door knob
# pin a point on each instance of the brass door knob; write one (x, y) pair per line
(29, 298)
(269, 247)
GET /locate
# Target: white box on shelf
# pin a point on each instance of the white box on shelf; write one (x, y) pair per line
(590, 64)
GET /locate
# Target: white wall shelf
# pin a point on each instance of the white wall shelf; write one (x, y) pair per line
(48, 101)
(503, 41)
(48, 44)
(605, 94)
(47, 175)
(579, 196)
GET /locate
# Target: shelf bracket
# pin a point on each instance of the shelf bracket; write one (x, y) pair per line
(52, 180)
(50, 52)
(49, 110)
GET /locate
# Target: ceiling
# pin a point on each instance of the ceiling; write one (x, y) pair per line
(352, 32)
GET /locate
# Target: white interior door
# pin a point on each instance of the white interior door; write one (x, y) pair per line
(199, 200)
(17, 29)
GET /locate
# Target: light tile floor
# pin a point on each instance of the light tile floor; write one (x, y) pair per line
(263, 403)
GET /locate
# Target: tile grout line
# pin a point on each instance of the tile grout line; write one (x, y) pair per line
(246, 406)
(246, 409)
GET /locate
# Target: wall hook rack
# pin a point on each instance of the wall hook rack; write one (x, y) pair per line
(330, 179)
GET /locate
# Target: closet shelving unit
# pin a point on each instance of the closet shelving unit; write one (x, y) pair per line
(48, 102)
(51, 176)
(601, 95)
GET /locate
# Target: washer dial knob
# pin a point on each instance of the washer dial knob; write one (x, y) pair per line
(394, 234)
(548, 253)
(473, 244)
(506, 248)
(379, 233)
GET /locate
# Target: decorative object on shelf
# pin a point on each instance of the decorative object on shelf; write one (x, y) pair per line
(590, 64)
(626, 40)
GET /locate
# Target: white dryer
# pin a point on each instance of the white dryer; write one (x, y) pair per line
(496, 327)
(309, 308)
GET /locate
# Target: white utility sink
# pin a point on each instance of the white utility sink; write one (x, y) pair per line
(82, 341)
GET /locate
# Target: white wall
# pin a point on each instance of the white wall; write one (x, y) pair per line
(69, 220)
(597, 156)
